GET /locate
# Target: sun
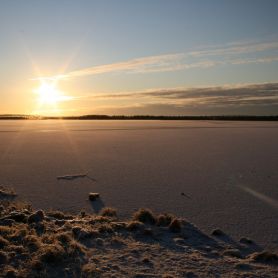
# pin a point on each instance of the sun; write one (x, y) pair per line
(50, 99)
(48, 93)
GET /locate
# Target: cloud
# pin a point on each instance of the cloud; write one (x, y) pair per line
(133, 65)
(254, 60)
(205, 58)
(236, 49)
(229, 95)
(186, 109)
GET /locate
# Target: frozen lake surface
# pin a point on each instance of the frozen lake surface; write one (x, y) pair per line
(228, 171)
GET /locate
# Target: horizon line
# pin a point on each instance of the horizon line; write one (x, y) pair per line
(139, 117)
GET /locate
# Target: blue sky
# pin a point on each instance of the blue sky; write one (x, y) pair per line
(118, 57)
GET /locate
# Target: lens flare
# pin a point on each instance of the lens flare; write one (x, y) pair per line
(48, 93)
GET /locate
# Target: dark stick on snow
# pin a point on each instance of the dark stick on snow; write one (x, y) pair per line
(183, 194)
(73, 177)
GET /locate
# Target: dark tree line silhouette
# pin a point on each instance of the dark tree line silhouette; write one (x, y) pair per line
(145, 117)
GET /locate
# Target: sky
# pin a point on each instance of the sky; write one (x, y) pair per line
(155, 57)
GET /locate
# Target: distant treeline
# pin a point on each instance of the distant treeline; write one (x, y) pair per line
(145, 117)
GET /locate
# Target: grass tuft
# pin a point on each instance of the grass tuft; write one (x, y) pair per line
(32, 243)
(109, 212)
(175, 226)
(164, 220)
(65, 238)
(145, 216)
(52, 254)
(265, 257)
(90, 270)
(105, 228)
(56, 214)
(135, 226)
(7, 192)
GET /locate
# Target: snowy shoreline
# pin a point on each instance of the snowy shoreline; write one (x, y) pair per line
(55, 244)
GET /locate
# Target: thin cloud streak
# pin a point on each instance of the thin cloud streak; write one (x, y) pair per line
(179, 61)
(229, 95)
(255, 61)
(238, 49)
(138, 64)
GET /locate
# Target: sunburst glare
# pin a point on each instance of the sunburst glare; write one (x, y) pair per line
(48, 93)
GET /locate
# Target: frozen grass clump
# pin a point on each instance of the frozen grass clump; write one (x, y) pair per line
(99, 245)
(6, 192)
(52, 254)
(32, 242)
(135, 226)
(164, 220)
(105, 228)
(56, 214)
(145, 216)
(64, 238)
(36, 217)
(175, 225)
(232, 253)
(90, 270)
(109, 212)
(266, 257)
(99, 219)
